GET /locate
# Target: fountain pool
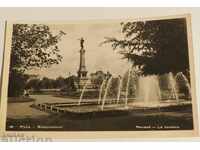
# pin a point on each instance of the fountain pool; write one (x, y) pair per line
(148, 96)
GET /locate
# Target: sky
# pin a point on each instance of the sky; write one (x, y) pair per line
(97, 57)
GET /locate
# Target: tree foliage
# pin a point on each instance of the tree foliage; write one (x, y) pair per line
(46, 83)
(97, 78)
(33, 46)
(156, 47)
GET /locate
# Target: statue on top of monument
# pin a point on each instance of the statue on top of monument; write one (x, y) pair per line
(81, 42)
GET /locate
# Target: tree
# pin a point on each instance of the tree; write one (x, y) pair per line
(97, 78)
(60, 82)
(113, 89)
(34, 84)
(71, 83)
(156, 47)
(33, 46)
(17, 82)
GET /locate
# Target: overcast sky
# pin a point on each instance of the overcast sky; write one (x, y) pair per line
(97, 57)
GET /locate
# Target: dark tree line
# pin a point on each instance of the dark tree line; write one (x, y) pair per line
(46, 83)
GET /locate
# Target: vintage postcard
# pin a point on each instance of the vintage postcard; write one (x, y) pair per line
(99, 79)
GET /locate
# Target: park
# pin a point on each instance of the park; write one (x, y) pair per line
(154, 93)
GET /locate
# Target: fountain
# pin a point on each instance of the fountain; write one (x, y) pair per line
(173, 85)
(149, 90)
(106, 91)
(101, 90)
(185, 80)
(83, 90)
(119, 88)
(127, 86)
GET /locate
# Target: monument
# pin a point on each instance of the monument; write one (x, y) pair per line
(82, 72)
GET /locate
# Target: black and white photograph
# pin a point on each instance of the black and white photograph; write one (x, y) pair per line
(119, 75)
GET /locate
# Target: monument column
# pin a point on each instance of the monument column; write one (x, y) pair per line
(82, 72)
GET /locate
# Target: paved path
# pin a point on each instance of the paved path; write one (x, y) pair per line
(23, 110)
